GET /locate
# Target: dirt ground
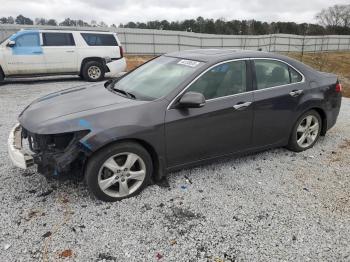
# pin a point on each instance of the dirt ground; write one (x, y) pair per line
(333, 62)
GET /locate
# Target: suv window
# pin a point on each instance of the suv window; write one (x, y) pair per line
(222, 80)
(58, 39)
(26, 40)
(99, 39)
(270, 73)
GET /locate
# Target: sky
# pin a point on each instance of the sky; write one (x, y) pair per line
(123, 11)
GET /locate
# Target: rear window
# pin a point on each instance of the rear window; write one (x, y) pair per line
(270, 73)
(58, 39)
(99, 39)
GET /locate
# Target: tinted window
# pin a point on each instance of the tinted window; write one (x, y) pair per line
(271, 73)
(295, 77)
(222, 80)
(31, 39)
(58, 39)
(99, 39)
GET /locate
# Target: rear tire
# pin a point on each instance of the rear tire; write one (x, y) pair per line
(93, 71)
(305, 132)
(2, 77)
(119, 171)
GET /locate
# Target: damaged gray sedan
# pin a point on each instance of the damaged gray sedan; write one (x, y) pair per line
(177, 110)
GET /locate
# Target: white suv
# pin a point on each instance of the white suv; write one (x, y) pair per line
(88, 54)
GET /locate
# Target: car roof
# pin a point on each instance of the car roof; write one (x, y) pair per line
(215, 55)
(60, 30)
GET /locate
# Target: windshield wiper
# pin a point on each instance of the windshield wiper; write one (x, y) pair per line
(110, 85)
(121, 91)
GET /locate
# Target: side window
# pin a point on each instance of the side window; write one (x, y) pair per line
(270, 73)
(58, 39)
(28, 40)
(99, 39)
(295, 77)
(222, 80)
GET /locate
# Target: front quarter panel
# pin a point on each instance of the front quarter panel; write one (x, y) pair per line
(143, 121)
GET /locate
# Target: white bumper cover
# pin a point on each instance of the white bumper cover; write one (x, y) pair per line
(14, 146)
(116, 67)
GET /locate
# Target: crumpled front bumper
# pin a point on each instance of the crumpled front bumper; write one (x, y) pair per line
(17, 155)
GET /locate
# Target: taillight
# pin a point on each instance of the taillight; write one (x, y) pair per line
(121, 50)
(338, 87)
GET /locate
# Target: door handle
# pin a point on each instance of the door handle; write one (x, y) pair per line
(70, 51)
(241, 106)
(296, 93)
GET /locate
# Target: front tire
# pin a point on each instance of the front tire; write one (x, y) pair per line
(93, 71)
(119, 171)
(306, 131)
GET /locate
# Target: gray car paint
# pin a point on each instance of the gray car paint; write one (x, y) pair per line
(183, 137)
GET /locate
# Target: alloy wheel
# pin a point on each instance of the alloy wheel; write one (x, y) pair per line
(122, 174)
(307, 131)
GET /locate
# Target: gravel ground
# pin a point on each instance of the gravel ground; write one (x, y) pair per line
(272, 206)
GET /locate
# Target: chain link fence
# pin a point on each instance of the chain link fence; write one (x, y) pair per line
(155, 42)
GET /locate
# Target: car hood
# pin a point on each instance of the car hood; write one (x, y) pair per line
(71, 101)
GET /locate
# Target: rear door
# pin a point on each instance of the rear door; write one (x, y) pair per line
(60, 52)
(279, 89)
(26, 57)
(222, 126)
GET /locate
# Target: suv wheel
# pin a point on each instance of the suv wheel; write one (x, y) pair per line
(306, 131)
(118, 171)
(93, 71)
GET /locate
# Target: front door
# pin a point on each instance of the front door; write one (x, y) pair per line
(222, 126)
(26, 56)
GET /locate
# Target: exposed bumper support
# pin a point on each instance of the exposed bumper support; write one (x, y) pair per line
(14, 145)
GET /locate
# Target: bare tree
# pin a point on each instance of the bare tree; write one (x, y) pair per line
(337, 15)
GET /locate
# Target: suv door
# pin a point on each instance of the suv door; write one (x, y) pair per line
(60, 52)
(222, 126)
(279, 89)
(26, 56)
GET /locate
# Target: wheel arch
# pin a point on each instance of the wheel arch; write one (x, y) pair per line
(89, 59)
(157, 161)
(322, 114)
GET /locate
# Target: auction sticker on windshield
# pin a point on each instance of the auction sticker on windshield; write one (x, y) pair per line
(190, 63)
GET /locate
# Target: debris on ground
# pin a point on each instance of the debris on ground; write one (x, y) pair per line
(33, 214)
(159, 256)
(106, 256)
(66, 253)
(188, 179)
(47, 234)
(7, 246)
(45, 193)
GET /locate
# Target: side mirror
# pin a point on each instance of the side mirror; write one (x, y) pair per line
(11, 43)
(192, 100)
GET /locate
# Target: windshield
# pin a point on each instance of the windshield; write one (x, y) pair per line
(157, 78)
(3, 40)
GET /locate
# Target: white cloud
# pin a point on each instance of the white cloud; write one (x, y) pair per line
(122, 11)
